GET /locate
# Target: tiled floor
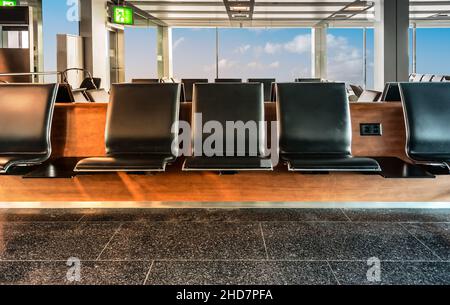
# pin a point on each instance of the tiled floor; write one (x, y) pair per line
(216, 246)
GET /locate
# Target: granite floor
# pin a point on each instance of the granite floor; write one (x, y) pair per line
(225, 246)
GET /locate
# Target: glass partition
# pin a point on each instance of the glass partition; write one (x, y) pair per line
(194, 53)
(345, 55)
(140, 53)
(433, 51)
(58, 17)
(283, 54)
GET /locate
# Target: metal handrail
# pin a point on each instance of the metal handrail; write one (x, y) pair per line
(58, 73)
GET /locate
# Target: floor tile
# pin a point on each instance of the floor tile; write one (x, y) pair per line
(240, 273)
(399, 215)
(162, 240)
(436, 236)
(342, 241)
(399, 273)
(54, 241)
(56, 273)
(214, 215)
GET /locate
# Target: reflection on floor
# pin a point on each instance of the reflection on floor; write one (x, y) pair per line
(216, 246)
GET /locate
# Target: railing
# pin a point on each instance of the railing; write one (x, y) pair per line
(58, 73)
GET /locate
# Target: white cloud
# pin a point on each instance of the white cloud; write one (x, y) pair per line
(242, 49)
(275, 64)
(177, 42)
(300, 44)
(255, 65)
(226, 64)
(272, 48)
(345, 62)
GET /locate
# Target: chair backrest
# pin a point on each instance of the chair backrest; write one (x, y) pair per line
(357, 90)
(314, 118)
(91, 83)
(267, 86)
(26, 117)
(427, 117)
(228, 80)
(308, 80)
(98, 95)
(391, 93)
(417, 78)
(370, 96)
(64, 94)
(140, 118)
(188, 85)
(427, 78)
(231, 103)
(145, 80)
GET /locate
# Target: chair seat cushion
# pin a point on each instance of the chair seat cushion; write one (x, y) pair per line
(430, 157)
(126, 163)
(331, 163)
(7, 161)
(227, 163)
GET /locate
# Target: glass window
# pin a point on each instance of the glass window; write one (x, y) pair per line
(345, 55)
(284, 54)
(194, 53)
(58, 17)
(433, 49)
(140, 53)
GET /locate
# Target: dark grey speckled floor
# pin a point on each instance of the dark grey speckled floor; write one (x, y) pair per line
(217, 246)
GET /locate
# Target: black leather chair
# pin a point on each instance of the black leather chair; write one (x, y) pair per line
(138, 129)
(308, 80)
(391, 93)
(228, 80)
(427, 78)
(268, 85)
(188, 85)
(64, 94)
(357, 90)
(91, 83)
(427, 117)
(229, 103)
(315, 129)
(145, 80)
(97, 95)
(26, 112)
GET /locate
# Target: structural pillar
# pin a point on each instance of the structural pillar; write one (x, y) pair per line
(391, 41)
(93, 29)
(164, 52)
(319, 51)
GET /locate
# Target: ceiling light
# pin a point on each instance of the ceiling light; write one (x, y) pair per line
(240, 16)
(237, 8)
(358, 6)
(440, 15)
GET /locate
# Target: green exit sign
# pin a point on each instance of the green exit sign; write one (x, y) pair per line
(123, 15)
(8, 2)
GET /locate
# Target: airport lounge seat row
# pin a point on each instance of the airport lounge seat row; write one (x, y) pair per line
(426, 78)
(188, 83)
(314, 126)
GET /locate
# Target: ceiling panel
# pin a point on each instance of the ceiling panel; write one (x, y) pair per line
(270, 12)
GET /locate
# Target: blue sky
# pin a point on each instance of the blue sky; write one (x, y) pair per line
(281, 53)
